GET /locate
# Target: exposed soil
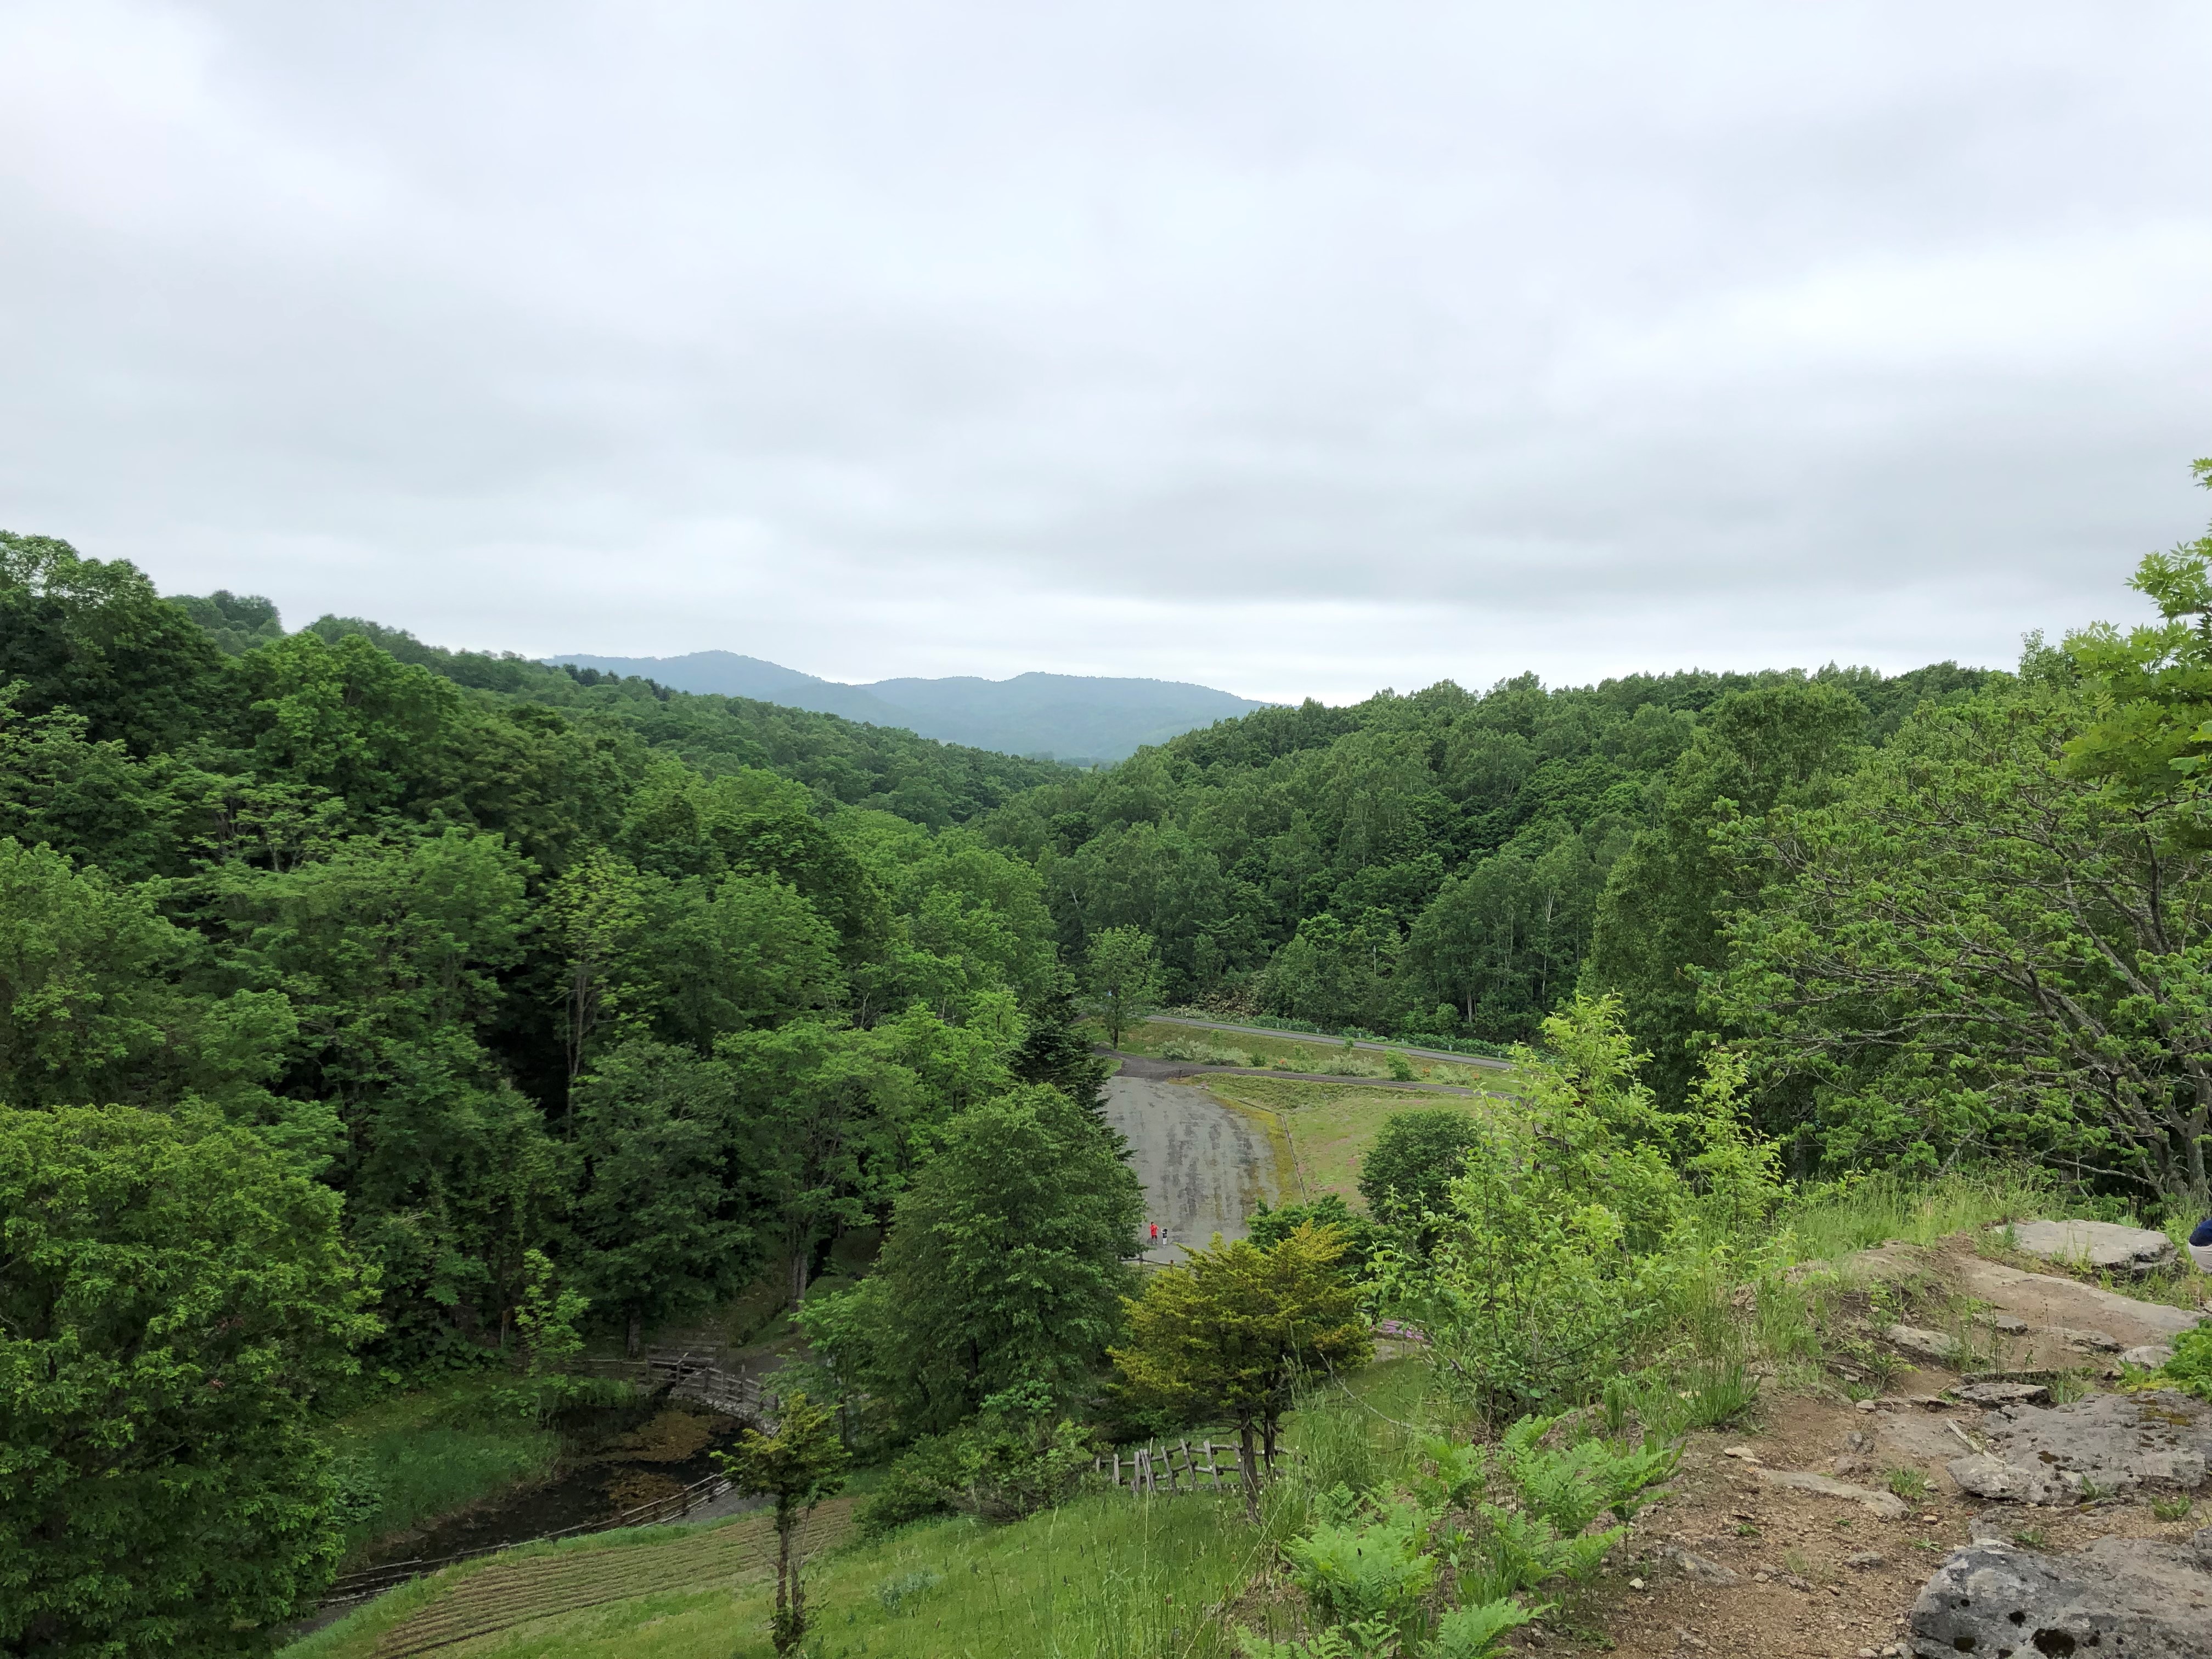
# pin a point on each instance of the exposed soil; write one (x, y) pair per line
(1818, 1576)
(1205, 1166)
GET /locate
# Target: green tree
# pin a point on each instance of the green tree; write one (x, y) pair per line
(661, 1213)
(1409, 1169)
(828, 1117)
(1979, 949)
(1235, 1329)
(1124, 978)
(84, 967)
(803, 1463)
(1001, 1279)
(1661, 922)
(93, 636)
(173, 1297)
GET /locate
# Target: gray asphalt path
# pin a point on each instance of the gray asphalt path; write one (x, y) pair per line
(1309, 1036)
(1205, 1166)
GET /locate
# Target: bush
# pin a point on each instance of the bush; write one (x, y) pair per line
(2190, 1368)
(998, 1468)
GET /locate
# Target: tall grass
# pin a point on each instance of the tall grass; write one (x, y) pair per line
(414, 1457)
(1830, 1221)
(1106, 1577)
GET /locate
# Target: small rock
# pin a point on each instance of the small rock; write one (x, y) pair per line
(1922, 1343)
(1850, 1464)
(2094, 1342)
(2150, 1356)
(1636, 1583)
(2137, 1596)
(1744, 1452)
(1793, 1582)
(1866, 1404)
(2101, 1244)
(1867, 1561)
(1700, 1568)
(2010, 1324)
(1761, 1576)
(1869, 1653)
(1887, 1505)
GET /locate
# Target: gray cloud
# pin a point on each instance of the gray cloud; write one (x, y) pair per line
(1293, 349)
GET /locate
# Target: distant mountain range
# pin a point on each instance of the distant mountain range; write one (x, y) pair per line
(1071, 717)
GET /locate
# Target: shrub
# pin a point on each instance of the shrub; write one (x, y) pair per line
(2190, 1368)
(998, 1467)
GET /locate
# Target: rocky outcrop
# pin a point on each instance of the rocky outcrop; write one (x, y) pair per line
(2103, 1245)
(2107, 1444)
(1923, 1343)
(2137, 1597)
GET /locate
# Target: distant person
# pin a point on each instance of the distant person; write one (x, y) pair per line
(2200, 1245)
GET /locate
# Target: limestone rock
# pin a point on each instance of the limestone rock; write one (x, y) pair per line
(2140, 1597)
(2150, 1356)
(2003, 1394)
(1887, 1505)
(1923, 1344)
(2114, 1442)
(2094, 1342)
(2100, 1244)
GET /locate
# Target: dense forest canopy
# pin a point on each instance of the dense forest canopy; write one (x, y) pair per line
(1431, 863)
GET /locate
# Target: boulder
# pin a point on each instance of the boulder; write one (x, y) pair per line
(2003, 1394)
(2150, 1356)
(2100, 1244)
(2140, 1597)
(2111, 1442)
(1923, 1344)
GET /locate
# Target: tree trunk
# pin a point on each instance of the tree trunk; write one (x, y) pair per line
(634, 1337)
(790, 1624)
(1247, 1467)
(799, 1262)
(1268, 1426)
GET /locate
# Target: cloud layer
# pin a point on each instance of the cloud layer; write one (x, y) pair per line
(1298, 349)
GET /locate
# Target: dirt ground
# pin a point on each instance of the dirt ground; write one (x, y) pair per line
(1816, 1576)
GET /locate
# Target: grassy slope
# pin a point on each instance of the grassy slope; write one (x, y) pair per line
(1331, 1125)
(422, 1467)
(1107, 1576)
(1294, 1053)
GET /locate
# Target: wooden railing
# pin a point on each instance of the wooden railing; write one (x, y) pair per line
(1148, 1471)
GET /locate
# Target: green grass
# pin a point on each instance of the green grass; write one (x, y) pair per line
(406, 1453)
(1331, 1125)
(1830, 1222)
(1106, 1577)
(1298, 1053)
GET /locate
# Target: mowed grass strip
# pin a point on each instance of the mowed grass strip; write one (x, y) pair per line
(1106, 1576)
(482, 1597)
(1331, 1124)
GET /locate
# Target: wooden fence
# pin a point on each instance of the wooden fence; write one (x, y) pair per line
(1149, 1471)
(682, 1376)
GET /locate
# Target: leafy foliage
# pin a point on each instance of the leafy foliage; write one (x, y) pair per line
(1002, 1281)
(175, 1296)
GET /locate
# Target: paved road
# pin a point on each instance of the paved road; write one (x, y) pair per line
(1205, 1166)
(1309, 1036)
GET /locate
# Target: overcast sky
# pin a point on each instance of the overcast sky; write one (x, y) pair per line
(1296, 349)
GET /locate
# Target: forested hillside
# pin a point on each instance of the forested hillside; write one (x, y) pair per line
(512, 960)
(1431, 863)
